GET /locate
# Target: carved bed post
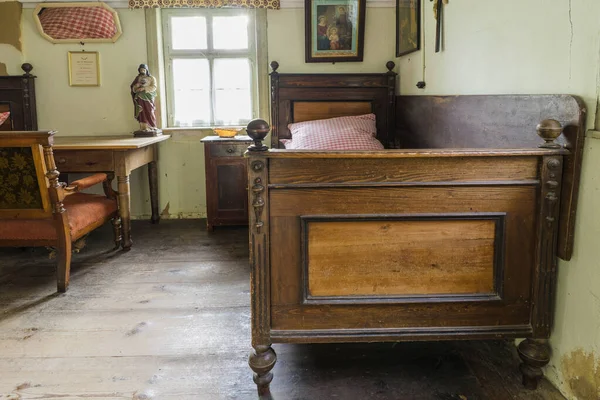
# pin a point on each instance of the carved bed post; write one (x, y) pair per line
(29, 106)
(262, 359)
(391, 122)
(535, 351)
(274, 104)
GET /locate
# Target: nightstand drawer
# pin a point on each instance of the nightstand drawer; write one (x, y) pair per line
(228, 149)
(83, 160)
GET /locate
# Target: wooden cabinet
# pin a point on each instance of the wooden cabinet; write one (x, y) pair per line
(226, 180)
(17, 96)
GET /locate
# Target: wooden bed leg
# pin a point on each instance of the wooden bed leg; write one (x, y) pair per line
(535, 354)
(262, 360)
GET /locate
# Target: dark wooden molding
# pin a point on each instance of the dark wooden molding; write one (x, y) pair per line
(544, 291)
(399, 334)
(531, 182)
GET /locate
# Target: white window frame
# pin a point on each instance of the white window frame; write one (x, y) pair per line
(210, 54)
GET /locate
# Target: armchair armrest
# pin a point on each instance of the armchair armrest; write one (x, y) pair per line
(85, 183)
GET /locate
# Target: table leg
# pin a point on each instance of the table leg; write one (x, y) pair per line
(153, 181)
(125, 210)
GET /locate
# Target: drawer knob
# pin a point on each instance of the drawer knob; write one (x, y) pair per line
(62, 160)
(230, 150)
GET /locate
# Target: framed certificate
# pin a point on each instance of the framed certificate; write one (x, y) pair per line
(84, 68)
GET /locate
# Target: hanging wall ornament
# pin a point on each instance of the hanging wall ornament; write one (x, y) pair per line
(438, 8)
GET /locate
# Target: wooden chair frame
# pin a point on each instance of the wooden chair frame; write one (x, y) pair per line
(53, 201)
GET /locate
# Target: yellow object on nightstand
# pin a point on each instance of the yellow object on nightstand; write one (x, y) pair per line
(226, 132)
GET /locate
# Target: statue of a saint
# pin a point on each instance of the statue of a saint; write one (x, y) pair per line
(143, 92)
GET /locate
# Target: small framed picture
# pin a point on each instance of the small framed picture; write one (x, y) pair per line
(84, 68)
(408, 26)
(335, 30)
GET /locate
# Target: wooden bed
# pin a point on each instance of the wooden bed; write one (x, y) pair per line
(454, 236)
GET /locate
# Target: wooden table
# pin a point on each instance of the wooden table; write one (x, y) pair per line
(113, 154)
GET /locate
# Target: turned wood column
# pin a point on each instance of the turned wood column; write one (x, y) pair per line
(61, 222)
(535, 354)
(125, 210)
(153, 183)
(535, 351)
(263, 358)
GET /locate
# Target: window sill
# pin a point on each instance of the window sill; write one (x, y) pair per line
(200, 132)
(593, 134)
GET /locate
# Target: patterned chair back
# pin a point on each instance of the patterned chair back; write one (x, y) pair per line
(23, 174)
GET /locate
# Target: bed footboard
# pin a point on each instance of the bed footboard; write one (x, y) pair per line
(402, 245)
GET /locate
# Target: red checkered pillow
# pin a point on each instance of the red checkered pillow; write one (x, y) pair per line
(4, 116)
(343, 133)
(78, 23)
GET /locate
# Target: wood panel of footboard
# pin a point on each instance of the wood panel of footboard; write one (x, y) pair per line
(402, 245)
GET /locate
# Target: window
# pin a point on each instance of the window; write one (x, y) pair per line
(210, 59)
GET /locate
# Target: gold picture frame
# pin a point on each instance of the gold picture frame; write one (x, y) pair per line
(84, 68)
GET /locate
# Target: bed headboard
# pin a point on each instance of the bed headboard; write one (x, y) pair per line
(307, 97)
(17, 97)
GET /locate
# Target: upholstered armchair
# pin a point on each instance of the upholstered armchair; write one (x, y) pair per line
(37, 210)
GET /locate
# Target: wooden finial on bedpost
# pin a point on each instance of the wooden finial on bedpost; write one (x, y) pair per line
(258, 129)
(26, 67)
(549, 130)
(390, 65)
(274, 66)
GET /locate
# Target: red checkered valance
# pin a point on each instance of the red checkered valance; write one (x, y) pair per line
(271, 4)
(78, 23)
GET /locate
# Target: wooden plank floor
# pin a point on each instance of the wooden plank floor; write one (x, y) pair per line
(171, 320)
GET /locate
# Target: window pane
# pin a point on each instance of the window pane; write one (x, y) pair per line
(232, 73)
(191, 86)
(233, 102)
(230, 33)
(188, 33)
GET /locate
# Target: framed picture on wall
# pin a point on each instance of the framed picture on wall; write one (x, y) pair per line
(335, 30)
(408, 26)
(84, 68)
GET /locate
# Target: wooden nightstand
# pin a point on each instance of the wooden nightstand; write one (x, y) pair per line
(226, 180)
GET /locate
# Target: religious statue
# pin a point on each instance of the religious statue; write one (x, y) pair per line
(143, 92)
